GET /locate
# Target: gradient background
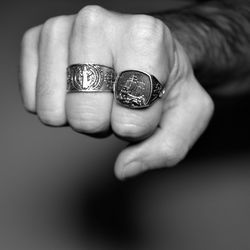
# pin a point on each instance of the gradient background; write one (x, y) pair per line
(57, 188)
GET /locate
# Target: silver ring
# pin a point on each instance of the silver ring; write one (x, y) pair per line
(90, 78)
(136, 89)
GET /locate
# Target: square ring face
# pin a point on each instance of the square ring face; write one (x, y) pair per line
(133, 89)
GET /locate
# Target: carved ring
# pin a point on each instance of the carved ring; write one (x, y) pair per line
(90, 78)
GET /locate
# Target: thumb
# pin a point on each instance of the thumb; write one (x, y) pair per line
(184, 118)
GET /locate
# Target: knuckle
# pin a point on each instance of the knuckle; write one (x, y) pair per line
(51, 117)
(52, 28)
(146, 30)
(203, 103)
(130, 129)
(89, 16)
(208, 104)
(29, 35)
(85, 122)
(29, 107)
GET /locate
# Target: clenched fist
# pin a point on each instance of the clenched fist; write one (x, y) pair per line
(161, 134)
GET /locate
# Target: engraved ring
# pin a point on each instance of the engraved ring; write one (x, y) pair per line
(136, 89)
(90, 78)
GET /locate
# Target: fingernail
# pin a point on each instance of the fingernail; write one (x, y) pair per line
(131, 169)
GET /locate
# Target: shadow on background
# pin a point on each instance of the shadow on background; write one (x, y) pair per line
(201, 204)
(228, 132)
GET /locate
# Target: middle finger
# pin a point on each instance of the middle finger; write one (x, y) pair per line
(89, 112)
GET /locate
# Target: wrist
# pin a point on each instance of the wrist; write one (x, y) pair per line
(215, 37)
(185, 36)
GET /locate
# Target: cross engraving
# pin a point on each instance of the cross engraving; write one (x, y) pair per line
(87, 77)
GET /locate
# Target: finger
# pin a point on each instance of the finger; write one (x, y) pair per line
(144, 47)
(29, 67)
(89, 112)
(51, 79)
(182, 123)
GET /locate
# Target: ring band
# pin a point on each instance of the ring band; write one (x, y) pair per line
(136, 89)
(90, 78)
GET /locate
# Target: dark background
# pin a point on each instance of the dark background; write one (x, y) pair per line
(57, 187)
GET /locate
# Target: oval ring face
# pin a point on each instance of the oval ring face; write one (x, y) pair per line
(133, 89)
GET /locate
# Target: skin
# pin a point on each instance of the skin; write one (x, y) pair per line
(160, 135)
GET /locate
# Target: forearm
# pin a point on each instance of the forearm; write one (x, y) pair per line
(216, 37)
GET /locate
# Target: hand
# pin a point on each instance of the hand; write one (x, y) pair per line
(163, 132)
